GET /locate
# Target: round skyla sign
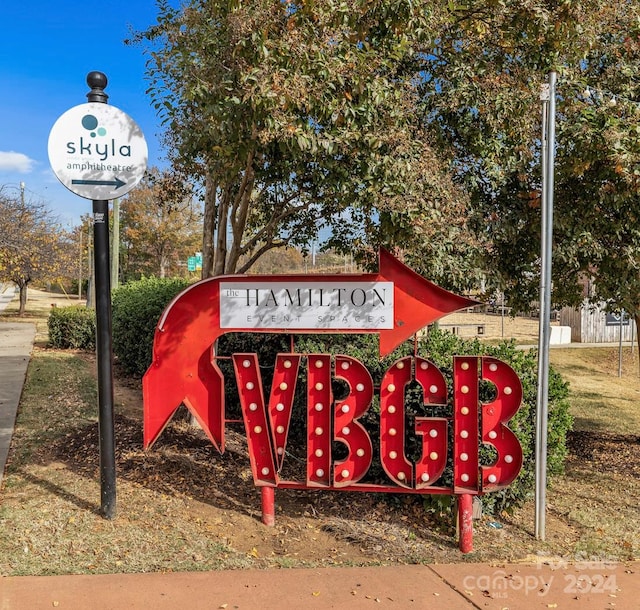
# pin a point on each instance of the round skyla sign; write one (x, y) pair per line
(97, 151)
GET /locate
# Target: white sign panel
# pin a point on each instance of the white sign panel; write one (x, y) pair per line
(296, 305)
(97, 151)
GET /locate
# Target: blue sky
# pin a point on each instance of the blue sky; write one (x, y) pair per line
(47, 48)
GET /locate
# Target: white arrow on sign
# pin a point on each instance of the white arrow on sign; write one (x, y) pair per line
(97, 151)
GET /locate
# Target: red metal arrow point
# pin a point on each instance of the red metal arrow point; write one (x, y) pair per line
(417, 302)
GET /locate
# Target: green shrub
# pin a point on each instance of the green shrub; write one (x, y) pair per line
(136, 309)
(72, 328)
(440, 347)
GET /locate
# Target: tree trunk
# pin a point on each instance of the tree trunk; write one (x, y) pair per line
(208, 227)
(239, 221)
(222, 217)
(23, 298)
(239, 215)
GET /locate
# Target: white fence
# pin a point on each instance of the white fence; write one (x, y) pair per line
(590, 326)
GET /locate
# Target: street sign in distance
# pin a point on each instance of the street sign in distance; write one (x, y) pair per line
(616, 319)
(97, 151)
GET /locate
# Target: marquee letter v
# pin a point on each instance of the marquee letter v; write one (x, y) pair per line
(266, 429)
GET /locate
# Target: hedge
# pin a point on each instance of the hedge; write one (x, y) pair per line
(136, 309)
(72, 328)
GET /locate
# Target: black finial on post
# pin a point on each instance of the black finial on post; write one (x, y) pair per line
(97, 81)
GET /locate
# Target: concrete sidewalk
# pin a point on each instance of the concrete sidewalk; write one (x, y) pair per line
(16, 342)
(587, 586)
(7, 293)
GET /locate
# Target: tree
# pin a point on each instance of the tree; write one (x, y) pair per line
(161, 226)
(298, 117)
(481, 101)
(33, 246)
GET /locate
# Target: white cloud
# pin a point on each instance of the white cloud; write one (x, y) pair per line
(16, 162)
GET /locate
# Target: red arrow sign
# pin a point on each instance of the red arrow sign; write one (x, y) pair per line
(396, 303)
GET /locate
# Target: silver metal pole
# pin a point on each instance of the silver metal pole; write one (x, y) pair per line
(632, 325)
(115, 245)
(542, 404)
(620, 344)
(80, 267)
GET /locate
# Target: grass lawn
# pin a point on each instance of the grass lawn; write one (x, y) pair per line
(600, 399)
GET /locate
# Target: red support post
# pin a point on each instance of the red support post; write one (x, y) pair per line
(268, 496)
(465, 523)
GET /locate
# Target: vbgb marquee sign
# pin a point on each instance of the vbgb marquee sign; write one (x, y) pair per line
(395, 303)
